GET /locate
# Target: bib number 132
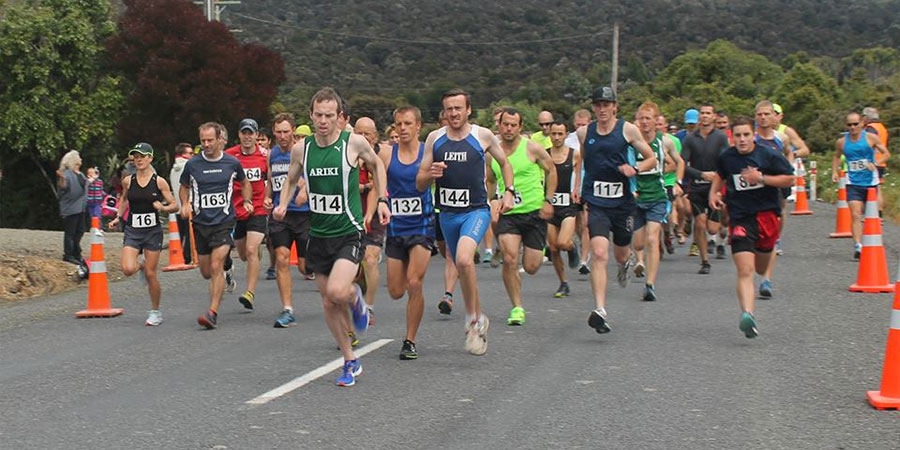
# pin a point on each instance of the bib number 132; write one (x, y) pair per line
(605, 189)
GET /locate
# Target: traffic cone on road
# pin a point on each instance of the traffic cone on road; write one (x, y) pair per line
(873, 274)
(176, 253)
(95, 224)
(98, 287)
(889, 395)
(842, 227)
(294, 261)
(801, 205)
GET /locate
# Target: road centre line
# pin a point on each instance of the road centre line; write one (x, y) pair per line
(302, 380)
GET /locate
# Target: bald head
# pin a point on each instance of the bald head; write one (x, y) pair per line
(545, 119)
(366, 127)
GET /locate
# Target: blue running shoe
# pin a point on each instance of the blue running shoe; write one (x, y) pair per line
(285, 319)
(765, 289)
(351, 370)
(748, 325)
(360, 312)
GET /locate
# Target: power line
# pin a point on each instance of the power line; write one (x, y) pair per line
(422, 42)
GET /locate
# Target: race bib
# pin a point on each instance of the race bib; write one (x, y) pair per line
(253, 173)
(858, 165)
(740, 184)
(454, 198)
(325, 204)
(210, 201)
(517, 198)
(146, 220)
(605, 189)
(411, 206)
(560, 199)
(278, 182)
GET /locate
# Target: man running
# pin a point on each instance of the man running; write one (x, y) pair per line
(207, 184)
(607, 194)
(250, 228)
(753, 176)
(672, 179)
(873, 124)
(545, 119)
(293, 228)
(329, 162)
(410, 235)
(143, 194)
(373, 239)
(651, 195)
(861, 149)
(561, 227)
(700, 152)
(525, 224)
(454, 160)
(581, 118)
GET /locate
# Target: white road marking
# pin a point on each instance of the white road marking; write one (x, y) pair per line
(302, 380)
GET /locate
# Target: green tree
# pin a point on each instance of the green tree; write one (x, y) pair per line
(804, 93)
(54, 92)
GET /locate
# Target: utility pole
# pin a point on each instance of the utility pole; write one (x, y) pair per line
(615, 57)
(214, 8)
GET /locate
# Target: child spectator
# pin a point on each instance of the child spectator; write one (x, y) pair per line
(95, 192)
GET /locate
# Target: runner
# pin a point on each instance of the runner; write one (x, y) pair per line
(861, 149)
(373, 239)
(671, 180)
(525, 224)
(455, 160)
(752, 175)
(293, 229)
(144, 195)
(545, 119)
(651, 196)
(581, 118)
(561, 227)
(329, 162)
(700, 152)
(207, 185)
(610, 203)
(410, 235)
(873, 124)
(250, 228)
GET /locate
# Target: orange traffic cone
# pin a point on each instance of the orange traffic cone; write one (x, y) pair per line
(873, 274)
(176, 254)
(95, 224)
(801, 205)
(98, 288)
(842, 227)
(889, 395)
(294, 261)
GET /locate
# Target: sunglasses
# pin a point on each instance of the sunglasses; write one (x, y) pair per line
(852, 124)
(545, 124)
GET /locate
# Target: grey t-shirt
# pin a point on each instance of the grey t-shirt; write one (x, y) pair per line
(73, 197)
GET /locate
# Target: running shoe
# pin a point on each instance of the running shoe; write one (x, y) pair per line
(748, 325)
(154, 318)
(778, 250)
(476, 336)
(208, 320)
(371, 315)
(310, 276)
(583, 268)
(486, 259)
(516, 316)
(598, 322)
(563, 290)
(704, 268)
(270, 274)
(670, 247)
(574, 257)
(710, 246)
(649, 293)
(408, 351)
(857, 251)
(765, 289)
(639, 270)
(496, 259)
(695, 250)
(624, 274)
(445, 306)
(285, 319)
(720, 252)
(230, 285)
(246, 299)
(359, 311)
(681, 238)
(351, 370)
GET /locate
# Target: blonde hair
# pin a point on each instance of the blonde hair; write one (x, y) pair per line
(68, 160)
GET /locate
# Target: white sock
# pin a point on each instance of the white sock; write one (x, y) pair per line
(289, 309)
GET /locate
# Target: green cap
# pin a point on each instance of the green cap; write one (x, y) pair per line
(142, 148)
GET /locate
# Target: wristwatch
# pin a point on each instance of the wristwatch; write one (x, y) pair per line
(384, 200)
(511, 189)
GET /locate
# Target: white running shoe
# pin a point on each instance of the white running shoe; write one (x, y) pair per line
(154, 318)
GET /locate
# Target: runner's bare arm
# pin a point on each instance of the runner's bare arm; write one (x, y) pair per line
(184, 192)
(836, 159)
(492, 145)
(715, 193)
(576, 167)
(267, 201)
(490, 179)
(427, 171)
(802, 151)
(880, 149)
(295, 170)
(633, 136)
(364, 152)
(170, 205)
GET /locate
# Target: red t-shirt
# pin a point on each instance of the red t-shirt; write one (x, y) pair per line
(256, 171)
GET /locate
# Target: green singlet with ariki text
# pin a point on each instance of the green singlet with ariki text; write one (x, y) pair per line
(333, 186)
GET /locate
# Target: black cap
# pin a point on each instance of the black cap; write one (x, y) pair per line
(142, 148)
(603, 94)
(248, 124)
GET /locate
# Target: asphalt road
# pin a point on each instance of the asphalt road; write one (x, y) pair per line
(675, 374)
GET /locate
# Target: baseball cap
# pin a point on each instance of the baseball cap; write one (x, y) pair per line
(142, 148)
(248, 124)
(303, 130)
(691, 116)
(777, 108)
(603, 94)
